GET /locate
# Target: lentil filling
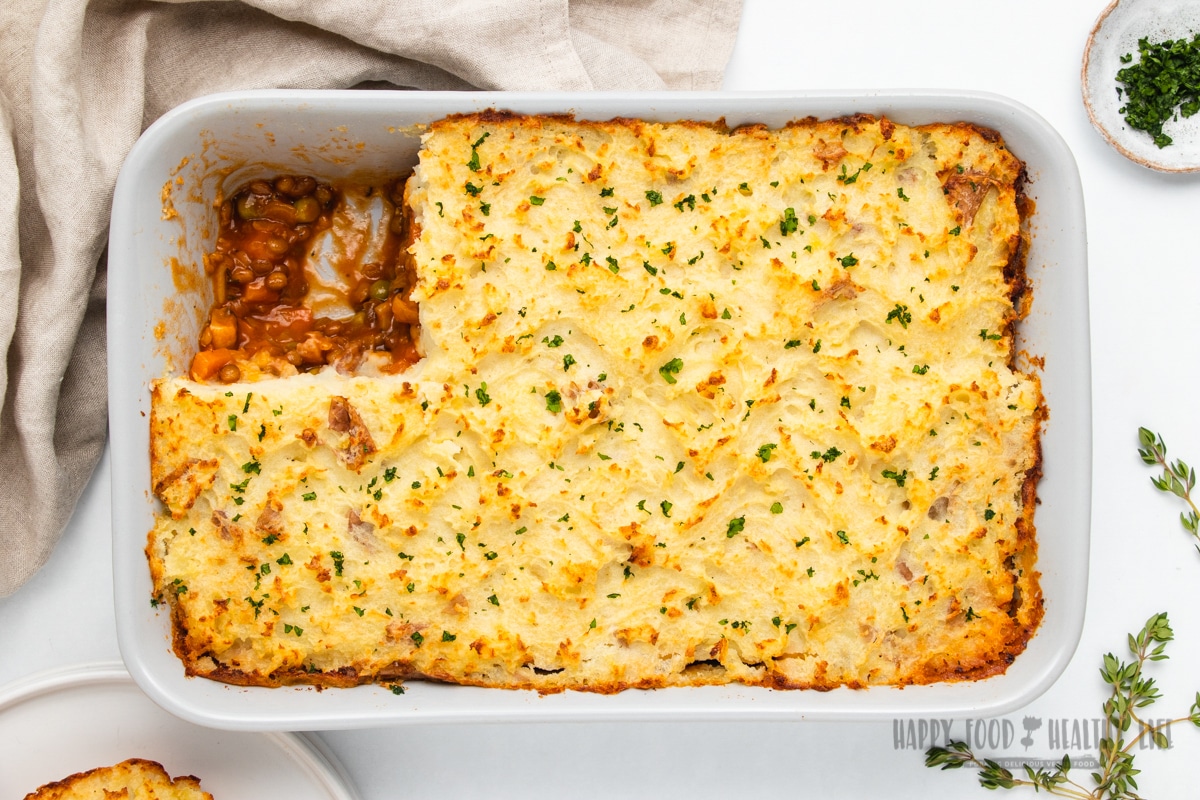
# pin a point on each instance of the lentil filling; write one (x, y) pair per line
(263, 318)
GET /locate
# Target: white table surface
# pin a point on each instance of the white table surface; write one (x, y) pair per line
(1145, 281)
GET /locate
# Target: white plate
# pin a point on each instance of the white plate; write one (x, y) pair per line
(59, 723)
(1116, 35)
(154, 316)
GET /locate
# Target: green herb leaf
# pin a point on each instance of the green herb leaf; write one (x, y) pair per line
(900, 314)
(481, 394)
(789, 224)
(736, 526)
(669, 370)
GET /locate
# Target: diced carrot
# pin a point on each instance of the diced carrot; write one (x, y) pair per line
(256, 291)
(207, 363)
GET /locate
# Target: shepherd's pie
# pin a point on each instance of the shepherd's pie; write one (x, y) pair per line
(692, 406)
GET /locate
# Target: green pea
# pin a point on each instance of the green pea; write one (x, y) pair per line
(307, 209)
(380, 290)
(248, 208)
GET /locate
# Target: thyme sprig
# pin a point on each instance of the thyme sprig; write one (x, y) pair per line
(1130, 691)
(1177, 478)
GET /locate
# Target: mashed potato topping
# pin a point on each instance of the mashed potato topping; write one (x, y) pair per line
(694, 406)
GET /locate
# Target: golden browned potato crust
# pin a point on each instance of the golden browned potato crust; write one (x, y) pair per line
(133, 779)
(697, 406)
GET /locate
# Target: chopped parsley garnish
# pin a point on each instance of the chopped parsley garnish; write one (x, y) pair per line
(764, 452)
(553, 401)
(447, 636)
(613, 266)
(829, 456)
(1164, 81)
(494, 601)
(900, 314)
(920, 369)
(790, 343)
(843, 538)
(900, 193)
(669, 370)
(736, 526)
(481, 394)
(338, 561)
(789, 224)
(846, 180)
(535, 200)
(956, 230)
(776, 508)
(309, 496)
(568, 361)
(689, 201)
(666, 506)
(898, 477)
(848, 261)
(654, 197)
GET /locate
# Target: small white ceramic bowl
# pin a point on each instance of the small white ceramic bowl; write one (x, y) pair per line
(1116, 35)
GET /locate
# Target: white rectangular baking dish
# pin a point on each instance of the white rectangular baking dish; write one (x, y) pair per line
(163, 220)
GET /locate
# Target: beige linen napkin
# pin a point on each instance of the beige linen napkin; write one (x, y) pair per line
(80, 80)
